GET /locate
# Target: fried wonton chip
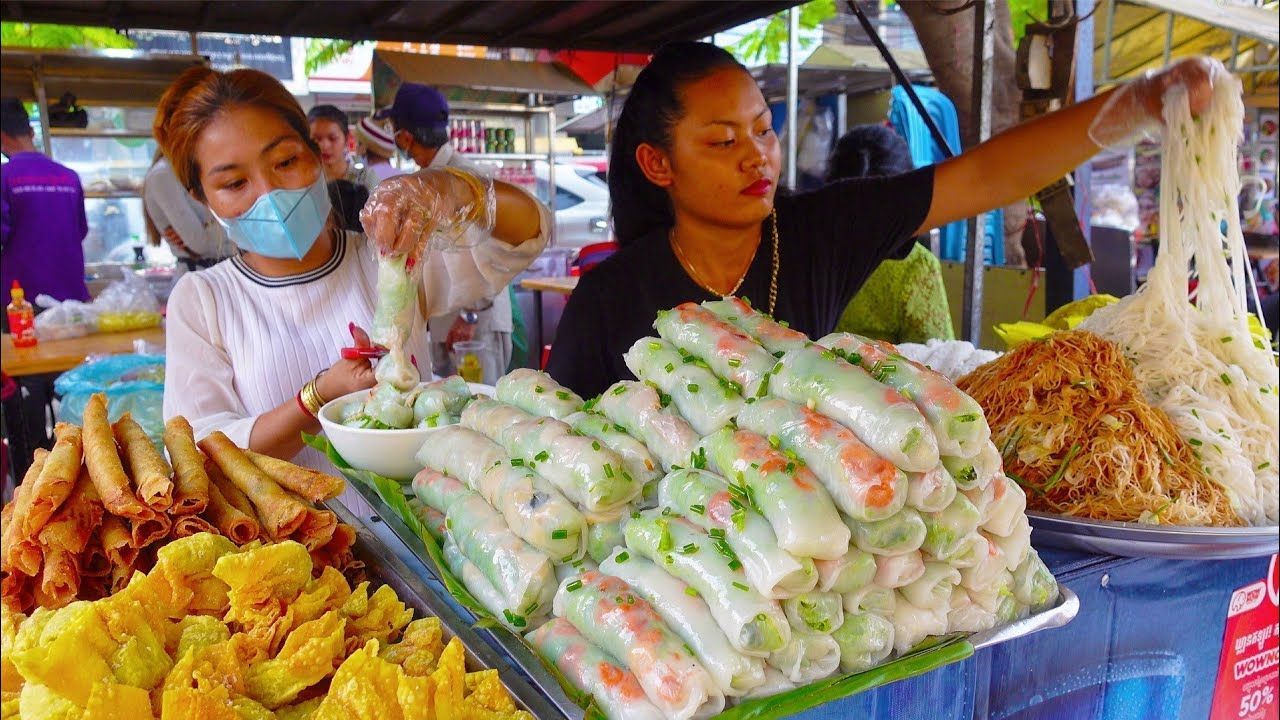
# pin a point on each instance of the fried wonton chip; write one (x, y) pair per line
(10, 679)
(364, 688)
(183, 576)
(113, 701)
(485, 689)
(310, 654)
(69, 653)
(449, 680)
(263, 580)
(10, 702)
(299, 711)
(39, 702)
(418, 649)
(196, 632)
(379, 616)
(325, 593)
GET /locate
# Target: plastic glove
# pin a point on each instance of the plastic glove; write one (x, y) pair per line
(1135, 111)
(438, 209)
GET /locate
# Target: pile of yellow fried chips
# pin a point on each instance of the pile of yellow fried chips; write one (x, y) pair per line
(218, 632)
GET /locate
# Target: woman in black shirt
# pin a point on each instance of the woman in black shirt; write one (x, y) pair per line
(692, 180)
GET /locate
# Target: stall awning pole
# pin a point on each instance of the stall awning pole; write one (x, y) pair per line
(1084, 89)
(980, 130)
(793, 94)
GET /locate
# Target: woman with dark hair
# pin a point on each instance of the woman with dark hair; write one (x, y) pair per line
(331, 132)
(903, 300)
(693, 177)
(253, 342)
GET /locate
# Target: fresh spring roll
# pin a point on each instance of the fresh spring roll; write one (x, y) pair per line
(898, 535)
(574, 569)
(865, 640)
(774, 336)
(190, 481)
(899, 570)
(617, 620)
(870, 599)
(911, 624)
(967, 616)
(948, 530)
(977, 472)
(755, 625)
(932, 490)
(862, 484)
(1033, 584)
(729, 352)
(636, 458)
(932, 590)
(735, 674)
(490, 417)
(439, 399)
(972, 550)
(535, 511)
(603, 537)
(704, 500)
(706, 401)
(637, 409)
(478, 585)
(150, 472)
(1015, 545)
(589, 474)
(807, 658)
(774, 683)
(815, 613)
(784, 491)
(393, 317)
(460, 453)
(520, 573)
(887, 422)
(1001, 505)
(846, 574)
(957, 419)
(615, 689)
(432, 519)
(537, 393)
(998, 599)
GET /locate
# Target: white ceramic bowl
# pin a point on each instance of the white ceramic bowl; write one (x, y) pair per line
(387, 452)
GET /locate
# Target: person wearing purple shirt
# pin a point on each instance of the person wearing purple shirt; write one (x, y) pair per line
(42, 222)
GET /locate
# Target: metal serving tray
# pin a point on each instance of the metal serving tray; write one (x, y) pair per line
(407, 549)
(389, 562)
(1129, 539)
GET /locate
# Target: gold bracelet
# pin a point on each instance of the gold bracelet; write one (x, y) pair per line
(478, 194)
(311, 398)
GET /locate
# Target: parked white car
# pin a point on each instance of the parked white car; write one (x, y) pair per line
(581, 204)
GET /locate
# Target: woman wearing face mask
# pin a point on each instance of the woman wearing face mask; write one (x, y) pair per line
(693, 186)
(246, 336)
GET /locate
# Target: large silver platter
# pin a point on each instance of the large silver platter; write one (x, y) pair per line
(1130, 539)
(407, 548)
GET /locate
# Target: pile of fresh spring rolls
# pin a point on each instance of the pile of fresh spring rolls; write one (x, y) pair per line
(757, 512)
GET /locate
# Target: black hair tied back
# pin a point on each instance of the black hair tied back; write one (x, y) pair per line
(652, 108)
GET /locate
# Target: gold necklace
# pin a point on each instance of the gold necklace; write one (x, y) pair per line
(773, 274)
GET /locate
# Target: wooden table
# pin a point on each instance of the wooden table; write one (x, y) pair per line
(558, 285)
(55, 356)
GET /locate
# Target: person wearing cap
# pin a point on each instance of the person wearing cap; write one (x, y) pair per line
(420, 119)
(378, 146)
(42, 220)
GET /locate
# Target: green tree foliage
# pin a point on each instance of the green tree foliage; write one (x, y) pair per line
(321, 52)
(768, 43)
(1024, 12)
(61, 37)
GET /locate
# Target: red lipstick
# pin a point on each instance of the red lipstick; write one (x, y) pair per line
(759, 188)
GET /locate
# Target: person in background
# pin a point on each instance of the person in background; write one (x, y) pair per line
(253, 343)
(903, 301)
(420, 118)
(378, 146)
(173, 216)
(42, 220)
(332, 134)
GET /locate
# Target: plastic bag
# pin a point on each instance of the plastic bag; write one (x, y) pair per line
(127, 304)
(816, 143)
(65, 319)
(132, 383)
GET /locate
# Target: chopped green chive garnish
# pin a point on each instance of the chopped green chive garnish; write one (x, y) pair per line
(741, 586)
(560, 534)
(689, 549)
(620, 389)
(699, 509)
(538, 389)
(595, 445)
(692, 387)
(542, 456)
(608, 470)
(735, 362)
(622, 557)
(690, 591)
(562, 394)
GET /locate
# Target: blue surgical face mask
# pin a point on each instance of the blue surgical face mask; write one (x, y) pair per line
(283, 223)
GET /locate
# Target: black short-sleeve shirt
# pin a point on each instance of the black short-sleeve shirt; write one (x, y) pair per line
(830, 241)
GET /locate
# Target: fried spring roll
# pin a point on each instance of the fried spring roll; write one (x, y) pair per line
(117, 542)
(94, 562)
(64, 537)
(190, 525)
(17, 592)
(237, 526)
(59, 579)
(317, 528)
(150, 472)
(281, 513)
(120, 576)
(20, 553)
(105, 468)
(151, 530)
(52, 485)
(312, 485)
(190, 481)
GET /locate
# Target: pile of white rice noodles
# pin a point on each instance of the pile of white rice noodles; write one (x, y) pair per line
(1197, 360)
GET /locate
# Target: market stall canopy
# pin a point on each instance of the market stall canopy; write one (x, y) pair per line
(588, 25)
(473, 79)
(104, 77)
(1139, 35)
